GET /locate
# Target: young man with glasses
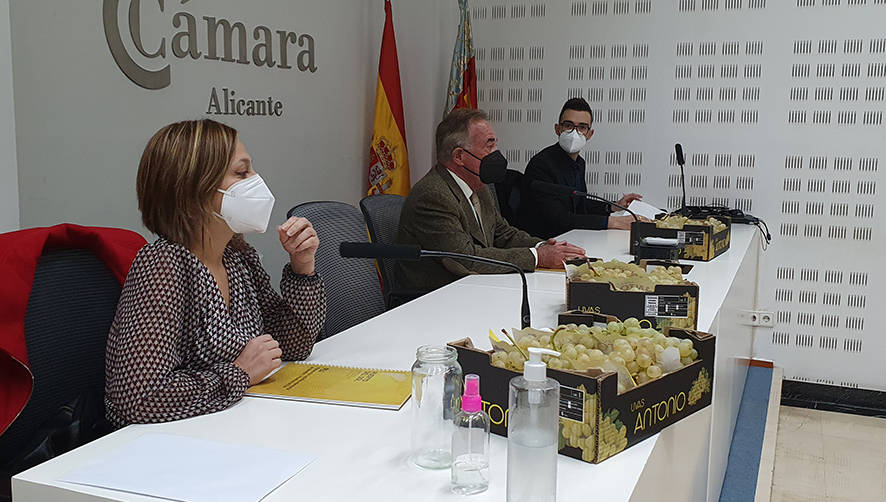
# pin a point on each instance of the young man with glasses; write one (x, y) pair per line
(546, 215)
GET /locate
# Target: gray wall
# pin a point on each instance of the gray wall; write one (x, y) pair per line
(425, 31)
(82, 124)
(8, 170)
(780, 109)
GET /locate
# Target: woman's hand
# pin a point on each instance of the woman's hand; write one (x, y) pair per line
(260, 356)
(299, 239)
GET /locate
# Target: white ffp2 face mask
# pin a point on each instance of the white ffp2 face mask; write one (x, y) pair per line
(247, 205)
(572, 141)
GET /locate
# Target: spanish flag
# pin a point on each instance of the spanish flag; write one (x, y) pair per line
(462, 91)
(388, 160)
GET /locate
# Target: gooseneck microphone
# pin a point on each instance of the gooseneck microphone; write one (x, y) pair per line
(414, 253)
(367, 250)
(736, 215)
(680, 161)
(555, 189)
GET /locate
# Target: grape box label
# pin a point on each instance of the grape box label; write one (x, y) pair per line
(691, 238)
(667, 305)
(572, 404)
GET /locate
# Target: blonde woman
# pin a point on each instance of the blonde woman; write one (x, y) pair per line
(198, 321)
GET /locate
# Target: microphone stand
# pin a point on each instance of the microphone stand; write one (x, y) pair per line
(524, 310)
(683, 182)
(568, 191)
(680, 161)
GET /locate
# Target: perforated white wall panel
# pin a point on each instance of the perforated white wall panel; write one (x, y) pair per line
(779, 105)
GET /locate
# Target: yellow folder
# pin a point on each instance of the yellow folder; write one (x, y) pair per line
(321, 383)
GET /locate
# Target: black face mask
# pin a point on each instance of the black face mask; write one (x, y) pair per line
(493, 167)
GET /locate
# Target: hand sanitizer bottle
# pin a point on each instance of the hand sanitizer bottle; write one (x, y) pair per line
(533, 422)
(470, 443)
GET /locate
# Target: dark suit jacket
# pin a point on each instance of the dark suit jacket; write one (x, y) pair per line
(437, 216)
(548, 215)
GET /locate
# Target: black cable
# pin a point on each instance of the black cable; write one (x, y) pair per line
(763, 243)
(765, 237)
(525, 320)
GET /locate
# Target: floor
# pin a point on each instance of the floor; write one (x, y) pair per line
(822, 456)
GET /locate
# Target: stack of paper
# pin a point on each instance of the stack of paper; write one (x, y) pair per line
(193, 470)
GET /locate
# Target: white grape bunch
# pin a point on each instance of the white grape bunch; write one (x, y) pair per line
(637, 354)
(627, 276)
(676, 221)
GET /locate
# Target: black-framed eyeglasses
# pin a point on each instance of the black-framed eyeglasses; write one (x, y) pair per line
(568, 125)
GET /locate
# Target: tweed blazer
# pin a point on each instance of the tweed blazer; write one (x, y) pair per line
(437, 216)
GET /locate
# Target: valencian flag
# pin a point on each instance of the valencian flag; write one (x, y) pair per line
(463, 74)
(388, 160)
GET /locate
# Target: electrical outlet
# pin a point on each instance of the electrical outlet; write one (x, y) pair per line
(760, 318)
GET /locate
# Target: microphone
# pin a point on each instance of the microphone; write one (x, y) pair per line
(555, 189)
(414, 253)
(367, 250)
(737, 215)
(680, 161)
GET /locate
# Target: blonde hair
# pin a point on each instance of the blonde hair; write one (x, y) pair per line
(182, 166)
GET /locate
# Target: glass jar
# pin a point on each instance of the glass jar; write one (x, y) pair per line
(437, 381)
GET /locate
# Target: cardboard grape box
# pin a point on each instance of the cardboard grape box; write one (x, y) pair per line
(600, 421)
(673, 306)
(700, 243)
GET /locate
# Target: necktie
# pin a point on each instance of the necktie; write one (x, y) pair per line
(475, 201)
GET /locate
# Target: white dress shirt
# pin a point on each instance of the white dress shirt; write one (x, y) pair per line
(467, 191)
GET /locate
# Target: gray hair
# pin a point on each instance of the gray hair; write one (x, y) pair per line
(452, 131)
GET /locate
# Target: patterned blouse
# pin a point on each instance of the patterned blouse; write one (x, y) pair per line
(173, 341)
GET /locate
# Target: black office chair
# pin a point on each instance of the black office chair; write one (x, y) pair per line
(508, 194)
(353, 290)
(382, 213)
(72, 303)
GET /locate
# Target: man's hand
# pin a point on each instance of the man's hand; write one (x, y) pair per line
(620, 222)
(623, 222)
(299, 239)
(552, 253)
(626, 200)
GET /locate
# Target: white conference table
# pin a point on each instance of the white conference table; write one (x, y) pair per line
(361, 454)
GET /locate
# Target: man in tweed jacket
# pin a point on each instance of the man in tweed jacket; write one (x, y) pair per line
(450, 209)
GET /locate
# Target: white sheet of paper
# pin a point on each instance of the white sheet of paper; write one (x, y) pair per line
(641, 208)
(193, 470)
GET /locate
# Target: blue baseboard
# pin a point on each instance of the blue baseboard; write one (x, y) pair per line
(740, 481)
